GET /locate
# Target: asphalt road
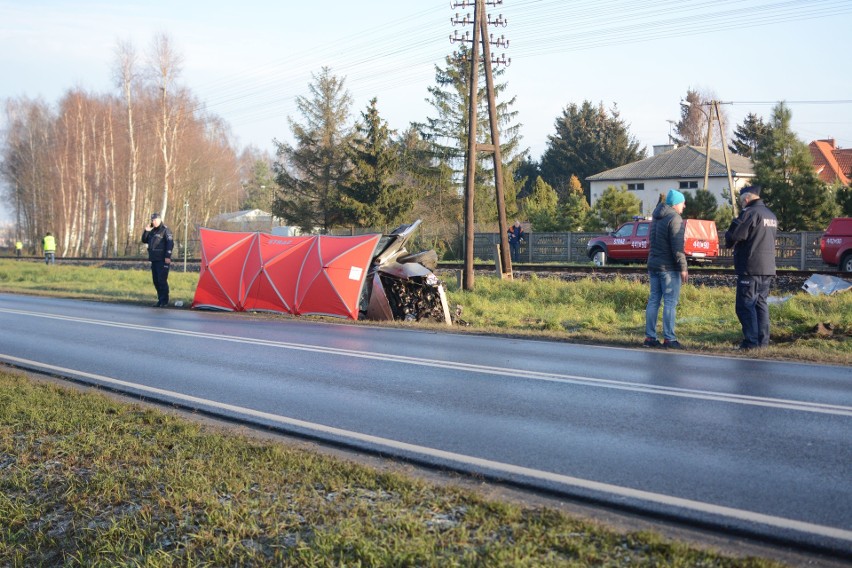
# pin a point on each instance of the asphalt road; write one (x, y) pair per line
(760, 447)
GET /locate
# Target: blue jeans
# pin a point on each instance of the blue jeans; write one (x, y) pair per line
(753, 310)
(665, 288)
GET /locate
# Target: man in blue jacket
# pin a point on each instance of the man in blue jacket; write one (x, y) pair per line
(160, 244)
(516, 235)
(666, 269)
(752, 236)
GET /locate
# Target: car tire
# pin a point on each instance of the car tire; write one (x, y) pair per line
(846, 263)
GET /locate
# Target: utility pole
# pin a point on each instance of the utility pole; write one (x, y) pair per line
(18, 212)
(714, 109)
(727, 162)
(185, 231)
(480, 23)
(707, 149)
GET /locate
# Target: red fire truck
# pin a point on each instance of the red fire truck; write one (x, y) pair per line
(629, 242)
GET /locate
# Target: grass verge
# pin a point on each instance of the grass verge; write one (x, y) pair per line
(85, 480)
(613, 313)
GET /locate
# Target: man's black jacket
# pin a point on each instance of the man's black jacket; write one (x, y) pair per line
(752, 235)
(160, 243)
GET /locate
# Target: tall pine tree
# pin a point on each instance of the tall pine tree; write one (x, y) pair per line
(375, 196)
(791, 187)
(311, 173)
(588, 140)
(446, 132)
(748, 136)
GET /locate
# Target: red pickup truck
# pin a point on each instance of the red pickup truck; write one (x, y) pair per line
(629, 243)
(835, 245)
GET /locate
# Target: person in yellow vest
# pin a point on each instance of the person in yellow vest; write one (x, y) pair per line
(19, 248)
(49, 246)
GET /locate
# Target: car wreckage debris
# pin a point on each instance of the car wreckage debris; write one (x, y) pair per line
(401, 285)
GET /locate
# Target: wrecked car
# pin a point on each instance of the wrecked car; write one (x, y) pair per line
(401, 285)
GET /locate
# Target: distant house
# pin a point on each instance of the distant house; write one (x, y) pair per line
(674, 168)
(247, 220)
(831, 163)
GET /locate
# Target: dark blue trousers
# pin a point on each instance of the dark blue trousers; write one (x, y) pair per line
(515, 249)
(753, 310)
(160, 276)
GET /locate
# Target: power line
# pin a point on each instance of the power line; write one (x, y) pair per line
(378, 60)
(592, 25)
(811, 102)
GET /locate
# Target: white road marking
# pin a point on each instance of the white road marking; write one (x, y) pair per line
(505, 468)
(800, 406)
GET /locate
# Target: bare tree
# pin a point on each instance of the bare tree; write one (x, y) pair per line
(126, 77)
(165, 66)
(691, 129)
(86, 168)
(25, 166)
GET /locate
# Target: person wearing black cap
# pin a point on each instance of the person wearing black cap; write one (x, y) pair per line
(752, 236)
(160, 243)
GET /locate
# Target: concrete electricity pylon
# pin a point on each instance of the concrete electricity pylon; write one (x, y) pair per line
(480, 22)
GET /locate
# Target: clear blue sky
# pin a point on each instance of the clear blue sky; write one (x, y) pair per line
(249, 60)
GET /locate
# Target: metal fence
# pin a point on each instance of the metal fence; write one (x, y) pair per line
(796, 250)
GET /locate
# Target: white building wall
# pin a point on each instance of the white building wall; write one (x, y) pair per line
(654, 187)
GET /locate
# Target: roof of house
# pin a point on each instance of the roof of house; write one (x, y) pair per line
(242, 216)
(831, 164)
(683, 162)
(844, 159)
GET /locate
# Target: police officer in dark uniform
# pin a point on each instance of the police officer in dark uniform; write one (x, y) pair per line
(752, 236)
(160, 243)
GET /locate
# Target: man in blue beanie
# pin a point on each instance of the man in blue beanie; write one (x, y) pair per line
(752, 236)
(666, 269)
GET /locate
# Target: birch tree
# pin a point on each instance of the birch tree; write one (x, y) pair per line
(126, 77)
(165, 65)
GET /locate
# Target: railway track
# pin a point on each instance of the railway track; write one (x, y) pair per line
(194, 263)
(787, 281)
(611, 269)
